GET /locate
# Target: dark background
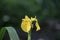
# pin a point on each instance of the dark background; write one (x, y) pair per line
(47, 12)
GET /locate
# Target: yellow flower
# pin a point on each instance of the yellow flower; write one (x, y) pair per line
(26, 24)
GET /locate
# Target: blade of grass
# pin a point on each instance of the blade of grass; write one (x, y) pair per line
(11, 31)
(2, 32)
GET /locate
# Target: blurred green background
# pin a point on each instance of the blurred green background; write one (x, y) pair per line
(47, 12)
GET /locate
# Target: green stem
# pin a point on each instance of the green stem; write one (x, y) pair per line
(29, 35)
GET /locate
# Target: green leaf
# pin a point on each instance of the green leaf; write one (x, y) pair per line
(2, 32)
(11, 31)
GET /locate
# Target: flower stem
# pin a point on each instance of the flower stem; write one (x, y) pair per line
(29, 35)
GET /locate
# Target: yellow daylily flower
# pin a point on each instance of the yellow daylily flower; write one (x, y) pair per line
(26, 24)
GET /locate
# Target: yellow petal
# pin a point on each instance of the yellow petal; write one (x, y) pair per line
(37, 26)
(26, 24)
(33, 19)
